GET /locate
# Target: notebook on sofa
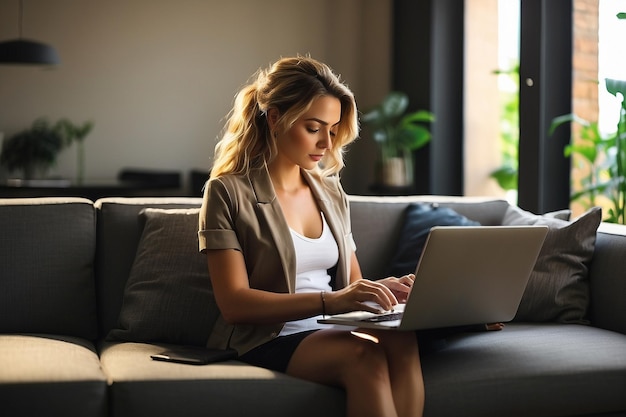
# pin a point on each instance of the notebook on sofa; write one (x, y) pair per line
(466, 275)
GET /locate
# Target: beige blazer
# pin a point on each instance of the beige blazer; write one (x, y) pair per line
(242, 213)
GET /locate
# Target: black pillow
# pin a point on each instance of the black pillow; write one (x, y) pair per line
(419, 219)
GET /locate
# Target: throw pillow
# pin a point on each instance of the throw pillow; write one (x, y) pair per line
(558, 288)
(168, 296)
(419, 219)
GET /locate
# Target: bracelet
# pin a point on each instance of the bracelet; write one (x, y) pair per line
(322, 294)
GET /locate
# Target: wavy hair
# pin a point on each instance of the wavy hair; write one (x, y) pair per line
(290, 85)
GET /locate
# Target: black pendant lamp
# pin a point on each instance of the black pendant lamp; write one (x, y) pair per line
(23, 51)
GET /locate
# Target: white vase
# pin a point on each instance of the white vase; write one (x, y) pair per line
(395, 172)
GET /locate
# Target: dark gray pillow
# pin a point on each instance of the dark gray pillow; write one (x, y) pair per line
(168, 296)
(47, 248)
(558, 289)
(419, 219)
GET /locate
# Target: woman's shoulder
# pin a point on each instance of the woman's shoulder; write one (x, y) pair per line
(230, 180)
(330, 183)
(229, 183)
(244, 186)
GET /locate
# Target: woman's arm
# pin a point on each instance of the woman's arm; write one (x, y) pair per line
(240, 304)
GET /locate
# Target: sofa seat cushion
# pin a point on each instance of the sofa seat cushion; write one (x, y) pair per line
(141, 386)
(50, 375)
(528, 370)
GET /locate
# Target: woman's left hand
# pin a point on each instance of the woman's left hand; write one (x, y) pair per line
(400, 287)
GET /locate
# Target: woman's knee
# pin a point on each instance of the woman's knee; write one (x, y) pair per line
(366, 359)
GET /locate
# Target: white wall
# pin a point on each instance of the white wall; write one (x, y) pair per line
(158, 76)
(481, 105)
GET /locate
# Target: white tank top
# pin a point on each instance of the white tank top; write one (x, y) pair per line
(313, 259)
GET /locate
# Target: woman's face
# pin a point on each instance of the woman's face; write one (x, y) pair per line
(305, 142)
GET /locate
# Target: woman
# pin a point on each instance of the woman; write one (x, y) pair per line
(275, 227)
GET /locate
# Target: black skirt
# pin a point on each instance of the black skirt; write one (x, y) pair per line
(276, 353)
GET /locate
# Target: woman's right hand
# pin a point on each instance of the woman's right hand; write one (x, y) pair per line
(361, 295)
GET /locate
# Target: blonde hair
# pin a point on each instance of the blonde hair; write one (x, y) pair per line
(290, 85)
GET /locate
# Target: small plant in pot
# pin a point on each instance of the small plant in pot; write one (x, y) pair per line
(76, 133)
(34, 150)
(397, 134)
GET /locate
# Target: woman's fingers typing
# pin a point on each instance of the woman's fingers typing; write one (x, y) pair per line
(363, 295)
(401, 287)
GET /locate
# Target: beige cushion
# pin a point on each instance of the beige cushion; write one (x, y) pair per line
(168, 296)
(558, 289)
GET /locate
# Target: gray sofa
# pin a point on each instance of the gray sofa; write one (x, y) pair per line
(72, 301)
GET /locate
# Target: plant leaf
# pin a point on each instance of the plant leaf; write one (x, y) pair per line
(394, 104)
(420, 116)
(589, 152)
(412, 136)
(617, 87)
(506, 177)
(566, 118)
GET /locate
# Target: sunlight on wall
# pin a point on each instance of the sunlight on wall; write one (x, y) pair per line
(611, 60)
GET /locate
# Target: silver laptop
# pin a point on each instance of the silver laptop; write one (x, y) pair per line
(466, 275)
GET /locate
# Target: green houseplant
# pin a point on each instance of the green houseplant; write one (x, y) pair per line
(76, 133)
(34, 150)
(397, 134)
(507, 174)
(604, 157)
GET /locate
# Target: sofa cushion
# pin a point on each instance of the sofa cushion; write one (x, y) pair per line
(419, 218)
(44, 375)
(538, 369)
(47, 248)
(118, 235)
(168, 296)
(141, 386)
(558, 288)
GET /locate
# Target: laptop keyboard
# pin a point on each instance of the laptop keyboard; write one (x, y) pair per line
(384, 317)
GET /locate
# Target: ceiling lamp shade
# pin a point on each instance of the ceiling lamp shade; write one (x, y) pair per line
(23, 51)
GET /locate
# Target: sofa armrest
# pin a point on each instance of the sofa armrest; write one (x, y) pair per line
(607, 279)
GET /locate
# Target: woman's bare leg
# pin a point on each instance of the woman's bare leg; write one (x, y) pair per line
(405, 370)
(374, 375)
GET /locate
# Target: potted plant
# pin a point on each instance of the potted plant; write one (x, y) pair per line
(34, 150)
(76, 133)
(397, 135)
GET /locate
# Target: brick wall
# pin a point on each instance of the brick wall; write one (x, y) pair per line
(584, 77)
